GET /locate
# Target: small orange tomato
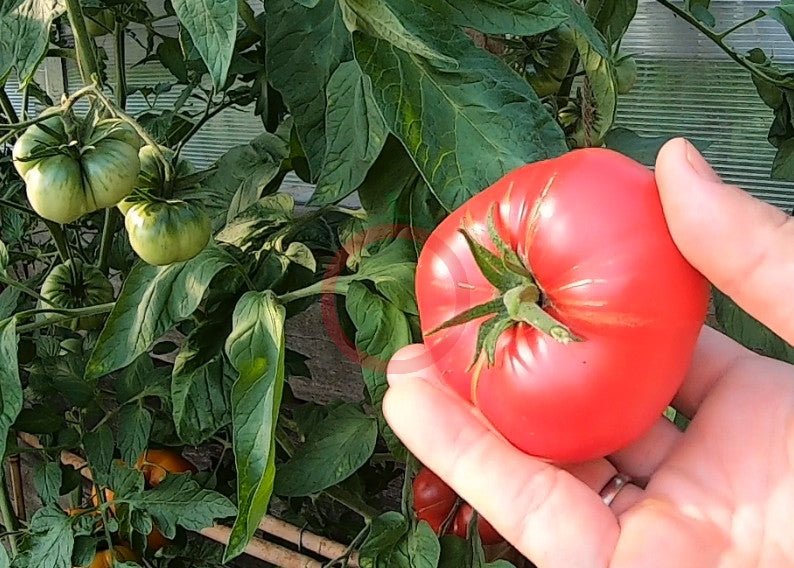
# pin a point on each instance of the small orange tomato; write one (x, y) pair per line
(156, 464)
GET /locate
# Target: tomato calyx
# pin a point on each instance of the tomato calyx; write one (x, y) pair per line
(520, 299)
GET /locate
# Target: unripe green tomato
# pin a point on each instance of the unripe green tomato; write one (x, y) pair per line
(626, 74)
(100, 23)
(164, 232)
(80, 176)
(152, 175)
(61, 290)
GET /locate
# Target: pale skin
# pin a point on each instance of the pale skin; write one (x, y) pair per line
(719, 495)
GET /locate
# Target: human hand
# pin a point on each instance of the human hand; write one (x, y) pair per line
(719, 495)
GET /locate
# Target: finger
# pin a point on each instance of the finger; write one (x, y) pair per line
(744, 246)
(523, 498)
(642, 458)
(714, 355)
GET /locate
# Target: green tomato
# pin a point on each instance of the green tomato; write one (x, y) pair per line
(66, 179)
(90, 288)
(100, 22)
(164, 232)
(626, 74)
(152, 175)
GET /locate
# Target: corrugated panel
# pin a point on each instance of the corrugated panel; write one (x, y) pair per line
(686, 85)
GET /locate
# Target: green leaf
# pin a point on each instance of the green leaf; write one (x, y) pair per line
(62, 374)
(126, 480)
(47, 478)
(39, 419)
(600, 97)
(152, 300)
(241, 175)
(52, 538)
(611, 17)
(783, 164)
(200, 385)
(517, 17)
(9, 299)
(304, 48)
(356, 134)
(24, 35)
(307, 3)
(141, 379)
(10, 387)
(5, 561)
(433, 111)
(212, 25)
(744, 328)
(255, 349)
(392, 544)
(643, 148)
(3, 260)
(335, 449)
(580, 22)
(703, 14)
(170, 54)
(379, 20)
(393, 270)
(84, 550)
(98, 446)
(258, 220)
(134, 429)
(179, 500)
(381, 330)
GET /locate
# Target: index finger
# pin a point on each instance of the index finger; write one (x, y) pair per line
(744, 246)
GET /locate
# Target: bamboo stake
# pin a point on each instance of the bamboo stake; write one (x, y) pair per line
(258, 548)
(17, 488)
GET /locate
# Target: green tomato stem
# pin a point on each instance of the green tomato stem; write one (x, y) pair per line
(22, 288)
(336, 285)
(8, 516)
(59, 237)
(121, 69)
(7, 106)
(61, 315)
(168, 170)
(717, 38)
(729, 31)
(17, 206)
(108, 233)
(86, 55)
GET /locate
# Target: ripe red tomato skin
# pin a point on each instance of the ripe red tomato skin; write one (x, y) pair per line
(602, 254)
(433, 499)
(460, 526)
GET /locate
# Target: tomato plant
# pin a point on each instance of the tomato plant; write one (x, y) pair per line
(154, 253)
(575, 288)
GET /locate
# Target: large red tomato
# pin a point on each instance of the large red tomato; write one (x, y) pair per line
(597, 312)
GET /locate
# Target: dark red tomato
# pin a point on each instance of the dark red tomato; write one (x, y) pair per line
(589, 231)
(434, 500)
(460, 526)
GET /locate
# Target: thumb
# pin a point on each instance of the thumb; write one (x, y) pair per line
(744, 246)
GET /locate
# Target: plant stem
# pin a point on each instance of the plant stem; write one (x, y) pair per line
(21, 287)
(121, 70)
(167, 169)
(7, 513)
(61, 315)
(86, 56)
(17, 206)
(7, 106)
(336, 285)
(108, 232)
(25, 102)
(717, 39)
(729, 31)
(59, 237)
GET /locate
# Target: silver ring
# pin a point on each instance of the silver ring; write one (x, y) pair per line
(613, 487)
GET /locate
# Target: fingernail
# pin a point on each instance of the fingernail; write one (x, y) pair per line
(699, 163)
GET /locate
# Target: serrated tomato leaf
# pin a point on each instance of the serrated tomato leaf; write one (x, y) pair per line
(10, 387)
